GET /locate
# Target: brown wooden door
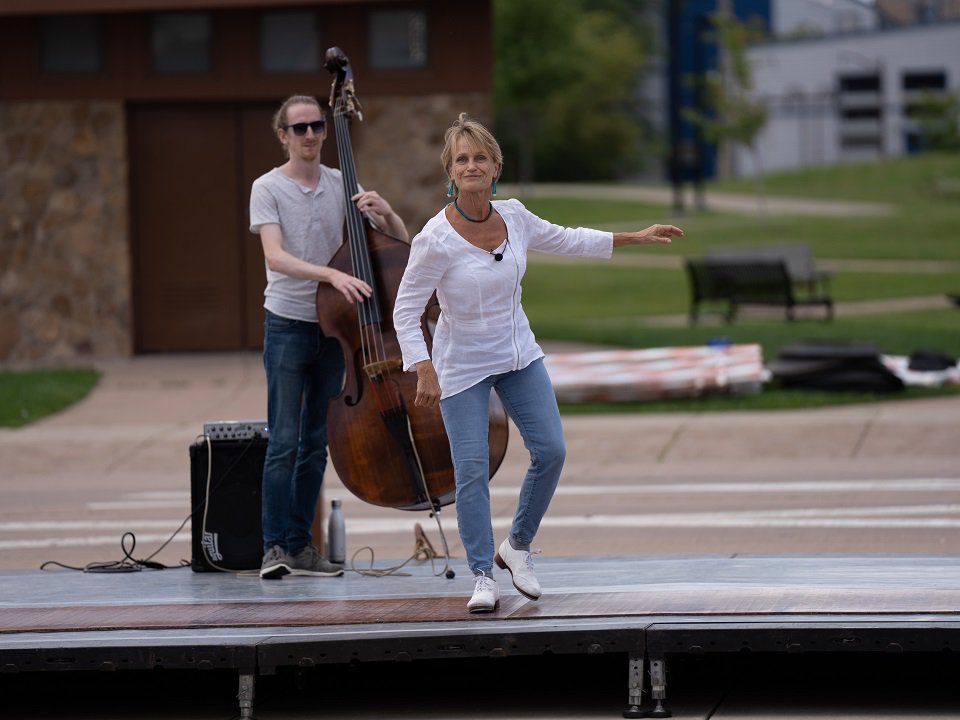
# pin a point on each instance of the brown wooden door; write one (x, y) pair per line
(261, 152)
(198, 273)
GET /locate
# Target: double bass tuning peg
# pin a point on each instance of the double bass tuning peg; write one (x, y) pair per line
(352, 102)
(342, 95)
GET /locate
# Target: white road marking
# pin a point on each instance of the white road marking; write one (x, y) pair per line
(903, 516)
(790, 486)
(71, 542)
(139, 504)
(896, 516)
(181, 499)
(32, 525)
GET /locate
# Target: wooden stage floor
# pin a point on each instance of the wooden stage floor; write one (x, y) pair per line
(647, 608)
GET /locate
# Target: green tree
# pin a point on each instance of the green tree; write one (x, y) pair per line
(565, 88)
(728, 114)
(938, 115)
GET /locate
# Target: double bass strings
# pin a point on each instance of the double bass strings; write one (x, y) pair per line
(368, 311)
(355, 230)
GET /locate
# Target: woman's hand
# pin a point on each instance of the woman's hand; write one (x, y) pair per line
(653, 235)
(428, 385)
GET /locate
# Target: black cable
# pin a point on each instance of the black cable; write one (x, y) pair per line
(131, 564)
(128, 563)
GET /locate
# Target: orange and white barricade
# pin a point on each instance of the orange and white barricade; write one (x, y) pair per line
(656, 373)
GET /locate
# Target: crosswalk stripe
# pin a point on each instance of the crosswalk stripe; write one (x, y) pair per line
(900, 517)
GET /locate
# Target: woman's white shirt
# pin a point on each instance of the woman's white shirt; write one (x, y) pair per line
(482, 329)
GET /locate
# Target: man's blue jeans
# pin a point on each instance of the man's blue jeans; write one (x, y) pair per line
(530, 401)
(304, 371)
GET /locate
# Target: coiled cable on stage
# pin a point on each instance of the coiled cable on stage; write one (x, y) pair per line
(127, 564)
(423, 549)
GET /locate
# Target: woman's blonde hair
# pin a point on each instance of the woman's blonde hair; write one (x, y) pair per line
(476, 134)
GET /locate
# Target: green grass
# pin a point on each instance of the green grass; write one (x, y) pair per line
(577, 212)
(593, 290)
(768, 399)
(929, 178)
(924, 191)
(611, 303)
(892, 334)
(28, 395)
(919, 231)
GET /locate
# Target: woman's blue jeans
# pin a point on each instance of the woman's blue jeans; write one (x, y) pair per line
(304, 371)
(529, 399)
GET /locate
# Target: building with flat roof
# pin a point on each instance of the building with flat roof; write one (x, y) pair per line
(131, 131)
(849, 97)
(840, 79)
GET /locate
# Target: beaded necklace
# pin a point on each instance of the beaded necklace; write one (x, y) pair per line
(467, 217)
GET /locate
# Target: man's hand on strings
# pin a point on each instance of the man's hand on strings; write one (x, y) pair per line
(352, 288)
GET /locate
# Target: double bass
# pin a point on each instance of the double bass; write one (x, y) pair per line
(386, 450)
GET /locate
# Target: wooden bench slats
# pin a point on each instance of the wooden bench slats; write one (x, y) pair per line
(739, 282)
(796, 255)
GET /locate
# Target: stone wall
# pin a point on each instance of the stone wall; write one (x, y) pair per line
(398, 149)
(65, 292)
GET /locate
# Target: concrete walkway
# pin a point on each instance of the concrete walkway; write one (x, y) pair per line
(729, 202)
(845, 309)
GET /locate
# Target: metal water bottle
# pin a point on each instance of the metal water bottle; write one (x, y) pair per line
(336, 534)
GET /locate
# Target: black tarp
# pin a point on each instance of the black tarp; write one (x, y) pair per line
(833, 365)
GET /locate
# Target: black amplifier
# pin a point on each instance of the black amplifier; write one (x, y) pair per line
(225, 481)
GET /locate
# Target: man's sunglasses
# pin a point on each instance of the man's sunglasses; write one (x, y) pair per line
(301, 128)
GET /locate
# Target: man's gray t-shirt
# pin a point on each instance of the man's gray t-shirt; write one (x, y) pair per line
(311, 224)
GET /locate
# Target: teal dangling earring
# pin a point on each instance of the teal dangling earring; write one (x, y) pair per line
(450, 189)
(493, 188)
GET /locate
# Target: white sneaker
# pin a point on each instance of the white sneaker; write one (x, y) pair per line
(486, 595)
(520, 565)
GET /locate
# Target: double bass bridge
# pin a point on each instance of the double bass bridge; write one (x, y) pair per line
(377, 370)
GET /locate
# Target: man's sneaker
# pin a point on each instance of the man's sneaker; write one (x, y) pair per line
(520, 565)
(275, 564)
(486, 595)
(309, 561)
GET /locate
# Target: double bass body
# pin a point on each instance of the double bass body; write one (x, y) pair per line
(366, 453)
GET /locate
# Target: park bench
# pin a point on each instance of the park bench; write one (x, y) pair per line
(733, 282)
(807, 278)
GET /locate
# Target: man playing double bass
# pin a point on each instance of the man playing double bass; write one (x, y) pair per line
(298, 209)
